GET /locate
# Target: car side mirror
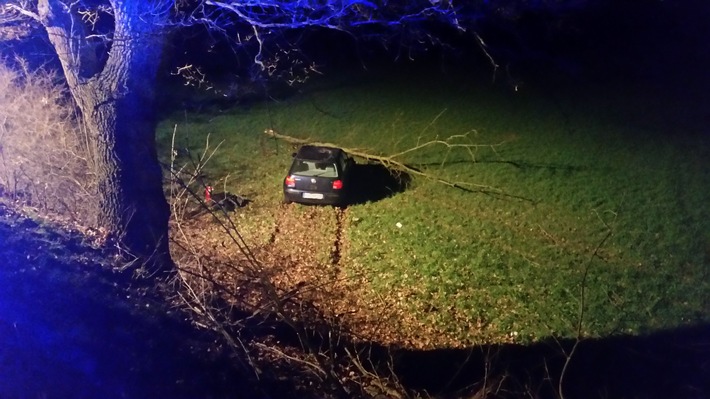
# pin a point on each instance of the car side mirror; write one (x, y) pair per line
(293, 155)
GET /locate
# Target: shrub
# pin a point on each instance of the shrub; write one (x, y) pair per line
(45, 161)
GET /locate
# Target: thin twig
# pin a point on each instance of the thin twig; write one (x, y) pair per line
(582, 305)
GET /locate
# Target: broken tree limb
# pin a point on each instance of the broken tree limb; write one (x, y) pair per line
(392, 163)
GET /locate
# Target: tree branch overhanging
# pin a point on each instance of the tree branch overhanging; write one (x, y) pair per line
(16, 21)
(12, 13)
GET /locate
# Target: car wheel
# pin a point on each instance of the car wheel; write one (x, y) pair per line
(286, 201)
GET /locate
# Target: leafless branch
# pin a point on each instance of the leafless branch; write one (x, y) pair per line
(583, 304)
(11, 13)
(394, 161)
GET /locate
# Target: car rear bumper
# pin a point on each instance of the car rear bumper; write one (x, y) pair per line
(294, 195)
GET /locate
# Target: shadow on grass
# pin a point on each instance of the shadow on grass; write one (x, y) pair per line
(667, 364)
(374, 182)
(522, 165)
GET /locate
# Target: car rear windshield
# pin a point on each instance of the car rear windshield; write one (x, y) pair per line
(314, 169)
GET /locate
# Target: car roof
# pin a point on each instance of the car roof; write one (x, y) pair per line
(318, 153)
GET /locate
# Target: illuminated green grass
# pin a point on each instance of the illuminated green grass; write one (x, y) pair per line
(576, 167)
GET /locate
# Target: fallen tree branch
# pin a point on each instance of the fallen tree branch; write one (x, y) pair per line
(392, 163)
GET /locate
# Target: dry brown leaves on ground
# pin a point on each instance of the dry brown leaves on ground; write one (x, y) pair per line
(307, 261)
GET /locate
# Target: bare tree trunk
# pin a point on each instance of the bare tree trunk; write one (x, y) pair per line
(116, 101)
(132, 203)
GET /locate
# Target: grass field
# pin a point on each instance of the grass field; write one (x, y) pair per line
(582, 169)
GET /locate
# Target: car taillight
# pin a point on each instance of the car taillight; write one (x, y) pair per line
(290, 181)
(337, 185)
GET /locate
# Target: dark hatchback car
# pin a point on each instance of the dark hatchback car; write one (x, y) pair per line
(319, 175)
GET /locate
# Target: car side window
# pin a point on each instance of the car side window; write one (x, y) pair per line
(343, 162)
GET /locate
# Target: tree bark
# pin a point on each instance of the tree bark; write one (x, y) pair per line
(116, 101)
